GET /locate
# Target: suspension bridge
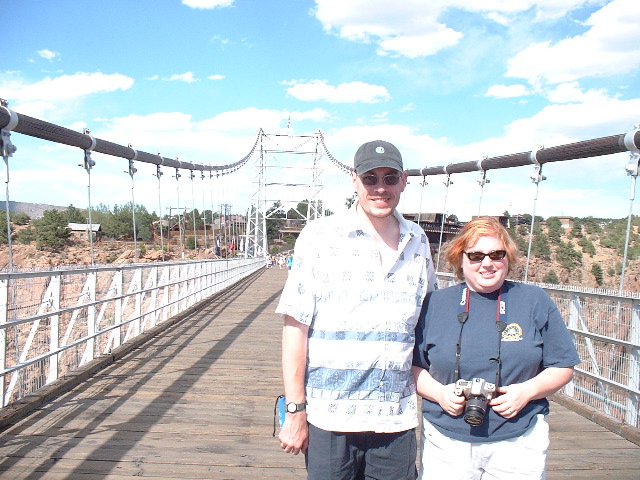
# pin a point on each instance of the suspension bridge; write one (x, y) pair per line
(170, 369)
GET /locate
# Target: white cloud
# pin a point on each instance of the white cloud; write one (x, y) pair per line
(413, 28)
(611, 46)
(316, 115)
(154, 122)
(352, 92)
(498, 18)
(186, 77)
(216, 77)
(507, 91)
(410, 28)
(63, 87)
(207, 4)
(47, 54)
(571, 92)
(248, 119)
(414, 46)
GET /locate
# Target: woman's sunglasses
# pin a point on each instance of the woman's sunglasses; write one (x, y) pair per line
(371, 180)
(479, 256)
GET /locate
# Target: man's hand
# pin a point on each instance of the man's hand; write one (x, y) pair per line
(294, 435)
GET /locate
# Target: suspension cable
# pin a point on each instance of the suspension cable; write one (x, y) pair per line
(8, 149)
(447, 184)
(158, 175)
(88, 164)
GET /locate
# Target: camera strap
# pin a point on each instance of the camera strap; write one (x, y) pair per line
(501, 324)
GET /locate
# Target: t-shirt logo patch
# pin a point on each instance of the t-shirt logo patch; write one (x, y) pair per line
(513, 333)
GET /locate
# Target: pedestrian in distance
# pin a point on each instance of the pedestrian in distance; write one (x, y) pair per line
(350, 307)
(488, 353)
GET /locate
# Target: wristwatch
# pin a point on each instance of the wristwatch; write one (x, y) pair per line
(296, 407)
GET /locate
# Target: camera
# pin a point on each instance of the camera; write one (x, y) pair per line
(478, 393)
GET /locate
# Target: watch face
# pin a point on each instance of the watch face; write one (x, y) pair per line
(292, 407)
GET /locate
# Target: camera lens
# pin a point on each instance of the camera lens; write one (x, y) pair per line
(475, 410)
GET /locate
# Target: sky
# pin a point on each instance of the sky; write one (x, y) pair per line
(446, 81)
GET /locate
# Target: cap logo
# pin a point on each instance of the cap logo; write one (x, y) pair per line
(379, 149)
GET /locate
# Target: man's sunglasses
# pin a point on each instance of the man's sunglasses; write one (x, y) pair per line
(371, 180)
(479, 256)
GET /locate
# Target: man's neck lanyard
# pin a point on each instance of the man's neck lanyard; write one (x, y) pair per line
(501, 324)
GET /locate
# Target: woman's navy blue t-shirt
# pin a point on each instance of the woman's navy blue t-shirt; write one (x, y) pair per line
(535, 338)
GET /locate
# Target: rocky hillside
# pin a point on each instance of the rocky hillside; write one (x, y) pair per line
(78, 252)
(34, 210)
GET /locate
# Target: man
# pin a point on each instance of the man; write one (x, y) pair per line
(350, 307)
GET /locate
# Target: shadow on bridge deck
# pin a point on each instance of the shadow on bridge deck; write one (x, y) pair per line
(197, 402)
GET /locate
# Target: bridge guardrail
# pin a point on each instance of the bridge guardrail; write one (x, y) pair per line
(605, 325)
(54, 322)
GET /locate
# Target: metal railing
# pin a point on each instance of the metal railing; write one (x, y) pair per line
(605, 325)
(54, 322)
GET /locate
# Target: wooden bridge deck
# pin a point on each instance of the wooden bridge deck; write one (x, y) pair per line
(196, 402)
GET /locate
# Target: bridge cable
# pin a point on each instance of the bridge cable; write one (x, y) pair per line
(193, 210)
(131, 171)
(212, 210)
(161, 224)
(633, 169)
(8, 149)
(483, 180)
(180, 225)
(88, 164)
(447, 184)
(536, 177)
(204, 212)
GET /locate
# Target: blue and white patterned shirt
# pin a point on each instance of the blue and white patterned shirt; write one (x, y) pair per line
(361, 322)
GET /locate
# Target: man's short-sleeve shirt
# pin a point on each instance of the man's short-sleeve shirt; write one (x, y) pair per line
(361, 322)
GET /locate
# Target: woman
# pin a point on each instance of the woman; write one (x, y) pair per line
(488, 344)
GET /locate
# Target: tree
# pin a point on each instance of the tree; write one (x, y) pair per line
(591, 226)
(554, 230)
(74, 215)
(551, 277)
(275, 219)
(20, 218)
(587, 246)
(568, 256)
(540, 246)
(51, 230)
(3, 227)
(350, 201)
(596, 271)
(576, 231)
(26, 236)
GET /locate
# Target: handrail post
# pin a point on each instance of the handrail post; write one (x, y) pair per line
(4, 317)
(634, 366)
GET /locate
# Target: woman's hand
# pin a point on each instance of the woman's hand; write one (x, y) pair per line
(516, 396)
(512, 399)
(451, 403)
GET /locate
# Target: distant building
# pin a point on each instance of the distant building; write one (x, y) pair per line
(81, 230)
(567, 222)
(504, 221)
(434, 227)
(519, 219)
